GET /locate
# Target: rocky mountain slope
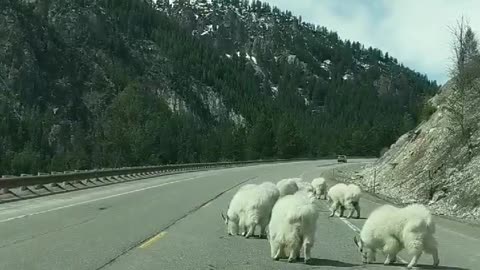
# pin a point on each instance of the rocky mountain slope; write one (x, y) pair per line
(107, 83)
(432, 164)
(345, 84)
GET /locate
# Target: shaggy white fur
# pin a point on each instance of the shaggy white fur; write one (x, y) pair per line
(287, 186)
(320, 186)
(251, 206)
(293, 226)
(391, 229)
(345, 197)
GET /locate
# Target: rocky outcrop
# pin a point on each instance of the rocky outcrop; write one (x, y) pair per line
(433, 165)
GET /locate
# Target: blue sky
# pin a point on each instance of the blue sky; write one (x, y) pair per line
(416, 32)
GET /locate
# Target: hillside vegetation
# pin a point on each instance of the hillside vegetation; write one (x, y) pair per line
(438, 163)
(108, 83)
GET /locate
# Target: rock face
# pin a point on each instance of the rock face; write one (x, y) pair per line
(432, 165)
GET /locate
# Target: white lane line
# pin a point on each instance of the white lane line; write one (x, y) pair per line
(466, 237)
(357, 230)
(97, 199)
(349, 224)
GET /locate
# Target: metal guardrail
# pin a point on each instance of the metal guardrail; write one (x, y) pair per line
(82, 179)
(102, 176)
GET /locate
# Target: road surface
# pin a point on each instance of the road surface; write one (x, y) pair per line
(174, 222)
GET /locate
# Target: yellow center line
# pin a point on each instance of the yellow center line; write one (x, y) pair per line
(152, 240)
(206, 204)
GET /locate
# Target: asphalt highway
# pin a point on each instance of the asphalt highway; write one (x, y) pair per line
(174, 222)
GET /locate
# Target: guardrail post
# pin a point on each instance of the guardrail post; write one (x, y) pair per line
(6, 190)
(40, 186)
(53, 185)
(84, 182)
(100, 179)
(125, 177)
(64, 184)
(23, 188)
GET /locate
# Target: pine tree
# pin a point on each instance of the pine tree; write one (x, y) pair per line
(289, 142)
(464, 72)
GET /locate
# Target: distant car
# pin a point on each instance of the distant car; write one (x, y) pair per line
(342, 158)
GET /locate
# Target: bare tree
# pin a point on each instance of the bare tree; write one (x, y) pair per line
(466, 68)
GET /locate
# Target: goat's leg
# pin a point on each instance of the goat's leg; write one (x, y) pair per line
(293, 255)
(357, 208)
(251, 231)
(307, 248)
(342, 209)
(275, 250)
(333, 209)
(414, 260)
(430, 245)
(391, 248)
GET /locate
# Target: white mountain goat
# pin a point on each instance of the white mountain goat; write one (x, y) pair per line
(292, 227)
(305, 186)
(249, 207)
(320, 186)
(287, 186)
(391, 229)
(345, 197)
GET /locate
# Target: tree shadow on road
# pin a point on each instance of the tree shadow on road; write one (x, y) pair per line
(327, 262)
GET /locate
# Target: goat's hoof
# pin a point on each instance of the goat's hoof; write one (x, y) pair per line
(307, 261)
(435, 264)
(276, 258)
(291, 260)
(331, 215)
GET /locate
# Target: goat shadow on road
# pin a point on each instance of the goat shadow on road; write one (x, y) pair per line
(327, 262)
(425, 267)
(440, 267)
(360, 218)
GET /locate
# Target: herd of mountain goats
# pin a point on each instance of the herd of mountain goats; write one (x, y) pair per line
(287, 214)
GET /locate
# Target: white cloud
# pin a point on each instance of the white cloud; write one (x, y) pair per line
(415, 32)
